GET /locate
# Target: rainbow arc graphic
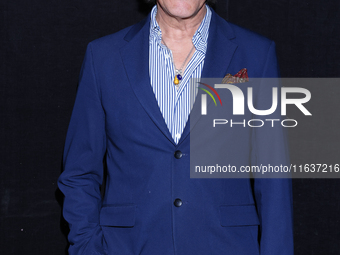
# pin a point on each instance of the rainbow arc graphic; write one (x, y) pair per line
(209, 93)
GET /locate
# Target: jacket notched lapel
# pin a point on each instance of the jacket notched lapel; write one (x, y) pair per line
(218, 57)
(135, 57)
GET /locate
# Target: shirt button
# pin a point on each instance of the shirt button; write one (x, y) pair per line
(178, 202)
(178, 154)
(178, 136)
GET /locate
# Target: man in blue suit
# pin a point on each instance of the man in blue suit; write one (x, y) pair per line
(132, 109)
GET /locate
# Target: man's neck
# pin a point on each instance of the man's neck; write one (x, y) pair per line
(178, 28)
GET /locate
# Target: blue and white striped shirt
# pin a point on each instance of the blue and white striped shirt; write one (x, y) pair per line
(175, 104)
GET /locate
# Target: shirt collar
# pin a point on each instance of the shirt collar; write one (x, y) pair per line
(200, 37)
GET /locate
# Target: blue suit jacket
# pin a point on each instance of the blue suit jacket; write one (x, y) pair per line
(117, 116)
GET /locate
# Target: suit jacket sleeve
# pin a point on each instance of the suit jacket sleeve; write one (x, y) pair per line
(273, 196)
(84, 150)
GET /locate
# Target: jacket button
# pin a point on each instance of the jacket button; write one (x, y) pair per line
(178, 202)
(178, 154)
